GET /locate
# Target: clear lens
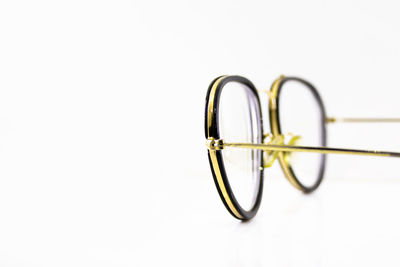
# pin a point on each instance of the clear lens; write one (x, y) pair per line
(240, 122)
(301, 114)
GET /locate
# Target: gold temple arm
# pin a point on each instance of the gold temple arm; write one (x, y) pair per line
(213, 144)
(362, 120)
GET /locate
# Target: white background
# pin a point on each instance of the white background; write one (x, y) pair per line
(102, 156)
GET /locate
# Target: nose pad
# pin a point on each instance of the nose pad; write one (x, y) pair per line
(271, 156)
(294, 141)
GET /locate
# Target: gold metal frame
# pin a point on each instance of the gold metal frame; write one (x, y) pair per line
(275, 148)
(362, 120)
(219, 144)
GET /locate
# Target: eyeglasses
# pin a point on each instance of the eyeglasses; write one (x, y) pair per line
(239, 151)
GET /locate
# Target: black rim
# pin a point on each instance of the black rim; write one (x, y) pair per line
(307, 189)
(214, 133)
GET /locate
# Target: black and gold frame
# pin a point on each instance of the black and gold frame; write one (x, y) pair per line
(273, 147)
(275, 124)
(215, 156)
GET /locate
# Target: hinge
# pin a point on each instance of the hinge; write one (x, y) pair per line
(214, 144)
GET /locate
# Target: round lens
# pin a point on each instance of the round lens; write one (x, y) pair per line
(302, 117)
(240, 122)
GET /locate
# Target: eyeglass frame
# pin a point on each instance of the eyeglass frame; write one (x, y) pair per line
(215, 144)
